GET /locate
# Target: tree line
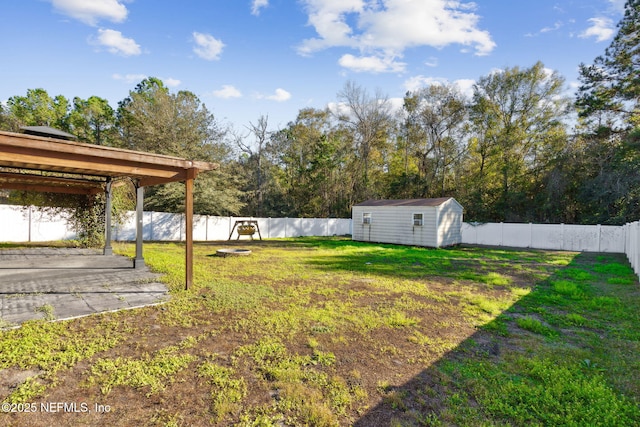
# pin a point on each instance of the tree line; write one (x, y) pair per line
(518, 149)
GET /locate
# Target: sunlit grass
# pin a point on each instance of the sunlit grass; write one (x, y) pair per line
(320, 331)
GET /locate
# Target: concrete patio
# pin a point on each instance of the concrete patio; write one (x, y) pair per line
(61, 283)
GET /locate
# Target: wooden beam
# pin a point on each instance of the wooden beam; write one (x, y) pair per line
(63, 181)
(188, 207)
(19, 157)
(43, 188)
(55, 155)
(10, 139)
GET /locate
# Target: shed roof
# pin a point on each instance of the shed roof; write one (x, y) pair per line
(406, 202)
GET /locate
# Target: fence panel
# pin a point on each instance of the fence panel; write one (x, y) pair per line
(547, 236)
(18, 218)
(44, 227)
(163, 226)
(489, 234)
(580, 238)
(612, 239)
(518, 235)
(338, 227)
(218, 227)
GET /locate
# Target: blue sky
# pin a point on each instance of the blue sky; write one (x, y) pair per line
(247, 58)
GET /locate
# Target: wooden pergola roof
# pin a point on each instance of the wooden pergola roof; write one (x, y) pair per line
(38, 153)
(43, 164)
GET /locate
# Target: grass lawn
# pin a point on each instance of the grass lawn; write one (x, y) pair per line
(327, 332)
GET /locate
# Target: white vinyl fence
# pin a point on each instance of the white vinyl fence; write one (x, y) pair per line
(563, 237)
(632, 245)
(582, 238)
(25, 224)
(168, 226)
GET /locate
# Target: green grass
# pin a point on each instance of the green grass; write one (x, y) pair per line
(535, 326)
(327, 331)
(545, 391)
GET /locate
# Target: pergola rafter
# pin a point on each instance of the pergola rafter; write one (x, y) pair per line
(43, 164)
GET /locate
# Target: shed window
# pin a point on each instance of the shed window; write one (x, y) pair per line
(366, 218)
(417, 219)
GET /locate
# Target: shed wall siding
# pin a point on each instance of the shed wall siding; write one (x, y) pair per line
(450, 224)
(395, 225)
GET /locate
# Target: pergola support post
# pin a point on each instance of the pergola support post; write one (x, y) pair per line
(138, 261)
(188, 207)
(108, 250)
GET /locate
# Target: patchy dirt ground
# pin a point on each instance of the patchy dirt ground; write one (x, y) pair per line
(299, 333)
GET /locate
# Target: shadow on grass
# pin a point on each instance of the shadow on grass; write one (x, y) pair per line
(565, 354)
(461, 262)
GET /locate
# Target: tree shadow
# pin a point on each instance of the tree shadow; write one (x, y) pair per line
(509, 372)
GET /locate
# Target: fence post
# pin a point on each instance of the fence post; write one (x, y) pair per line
(530, 235)
(562, 236)
(599, 236)
(29, 224)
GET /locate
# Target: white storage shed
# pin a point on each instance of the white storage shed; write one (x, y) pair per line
(417, 222)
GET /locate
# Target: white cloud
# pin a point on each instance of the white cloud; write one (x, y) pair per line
(91, 11)
(329, 17)
(207, 46)
(130, 78)
(256, 5)
(385, 28)
(116, 43)
(280, 95)
(372, 64)
(171, 82)
(601, 28)
(227, 91)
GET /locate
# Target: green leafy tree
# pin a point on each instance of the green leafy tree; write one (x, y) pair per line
(608, 103)
(37, 108)
(610, 91)
(311, 154)
(93, 121)
(516, 114)
(8, 122)
(436, 127)
(154, 120)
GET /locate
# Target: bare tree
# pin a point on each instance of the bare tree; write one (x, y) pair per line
(255, 154)
(368, 118)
